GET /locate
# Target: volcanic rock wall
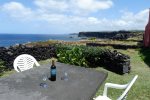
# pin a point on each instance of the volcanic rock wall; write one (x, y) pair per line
(116, 62)
(39, 52)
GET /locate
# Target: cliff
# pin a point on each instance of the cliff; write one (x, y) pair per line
(108, 35)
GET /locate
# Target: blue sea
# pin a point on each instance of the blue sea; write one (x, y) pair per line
(7, 40)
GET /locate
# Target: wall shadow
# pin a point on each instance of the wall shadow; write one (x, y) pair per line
(145, 55)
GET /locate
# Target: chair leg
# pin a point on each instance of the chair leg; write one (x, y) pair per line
(125, 97)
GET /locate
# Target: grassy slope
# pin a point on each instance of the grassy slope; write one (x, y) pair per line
(141, 88)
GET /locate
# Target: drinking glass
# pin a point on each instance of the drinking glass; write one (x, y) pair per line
(45, 77)
(65, 77)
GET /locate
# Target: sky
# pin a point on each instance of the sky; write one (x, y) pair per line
(72, 16)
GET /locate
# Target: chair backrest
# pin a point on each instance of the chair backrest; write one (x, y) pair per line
(129, 85)
(24, 62)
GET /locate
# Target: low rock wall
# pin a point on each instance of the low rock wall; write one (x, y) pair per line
(116, 61)
(116, 46)
(8, 54)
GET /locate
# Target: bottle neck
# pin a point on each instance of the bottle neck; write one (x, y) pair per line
(53, 63)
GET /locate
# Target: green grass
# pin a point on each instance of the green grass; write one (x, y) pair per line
(7, 73)
(145, 55)
(4, 72)
(141, 88)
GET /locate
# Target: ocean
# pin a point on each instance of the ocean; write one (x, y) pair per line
(7, 40)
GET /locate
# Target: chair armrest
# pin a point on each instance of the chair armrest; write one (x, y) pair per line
(112, 85)
(36, 63)
(117, 86)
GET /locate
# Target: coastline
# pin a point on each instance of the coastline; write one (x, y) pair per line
(7, 40)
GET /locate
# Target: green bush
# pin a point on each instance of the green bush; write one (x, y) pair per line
(92, 38)
(92, 55)
(79, 55)
(71, 55)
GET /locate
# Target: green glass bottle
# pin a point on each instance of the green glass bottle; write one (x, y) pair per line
(53, 71)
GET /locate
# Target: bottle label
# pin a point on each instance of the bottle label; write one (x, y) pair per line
(53, 72)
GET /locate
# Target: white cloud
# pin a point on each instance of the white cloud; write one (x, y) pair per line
(52, 18)
(73, 6)
(94, 5)
(93, 20)
(56, 10)
(17, 10)
(61, 13)
(137, 20)
(128, 21)
(51, 5)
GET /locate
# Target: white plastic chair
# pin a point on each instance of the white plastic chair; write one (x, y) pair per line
(117, 86)
(24, 62)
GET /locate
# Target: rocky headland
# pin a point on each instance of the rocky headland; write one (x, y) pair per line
(118, 35)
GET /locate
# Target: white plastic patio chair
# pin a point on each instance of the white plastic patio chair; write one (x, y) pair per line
(24, 62)
(117, 86)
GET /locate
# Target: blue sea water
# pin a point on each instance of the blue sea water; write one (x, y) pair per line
(12, 39)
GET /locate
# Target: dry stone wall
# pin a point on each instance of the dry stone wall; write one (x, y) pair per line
(116, 61)
(8, 54)
(116, 46)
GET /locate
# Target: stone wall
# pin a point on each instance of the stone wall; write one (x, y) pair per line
(116, 46)
(116, 61)
(8, 54)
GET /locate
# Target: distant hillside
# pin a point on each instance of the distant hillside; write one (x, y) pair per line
(110, 35)
(73, 33)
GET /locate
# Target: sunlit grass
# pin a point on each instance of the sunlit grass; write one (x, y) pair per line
(7, 73)
(141, 88)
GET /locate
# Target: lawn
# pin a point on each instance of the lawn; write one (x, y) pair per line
(141, 88)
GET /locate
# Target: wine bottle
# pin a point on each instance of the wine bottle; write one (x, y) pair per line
(53, 71)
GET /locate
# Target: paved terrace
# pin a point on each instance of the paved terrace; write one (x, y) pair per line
(82, 84)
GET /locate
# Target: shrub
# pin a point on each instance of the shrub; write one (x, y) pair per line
(92, 55)
(71, 55)
(80, 55)
(92, 38)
